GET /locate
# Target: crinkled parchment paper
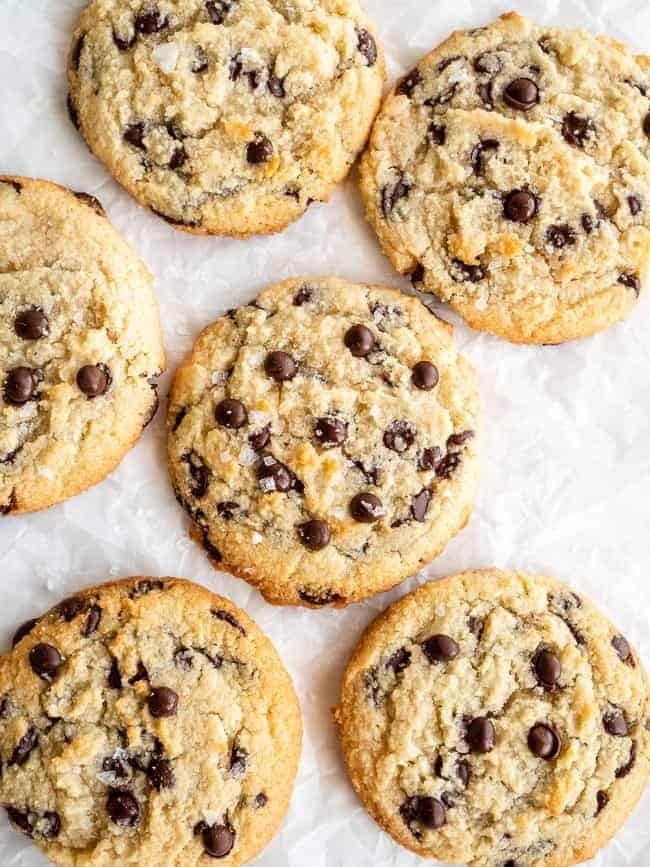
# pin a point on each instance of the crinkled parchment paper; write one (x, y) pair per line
(566, 471)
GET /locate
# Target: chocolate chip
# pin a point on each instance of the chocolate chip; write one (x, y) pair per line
(45, 661)
(420, 504)
(217, 10)
(274, 476)
(276, 85)
(359, 340)
(646, 125)
(429, 458)
(302, 296)
(160, 773)
(92, 202)
(114, 676)
(231, 413)
(147, 23)
(544, 741)
(399, 436)
(481, 735)
(73, 114)
(436, 135)
(367, 46)
(631, 281)
(417, 275)
(408, 84)
(488, 62)
(424, 375)
(218, 840)
(147, 585)
(23, 630)
(588, 223)
(229, 618)
(314, 535)
(457, 440)
(20, 820)
(547, 668)
(260, 150)
(463, 273)
(366, 508)
(370, 474)
(319, 597)
(560, 236)
(259, 440)
(634, 204)
(134, 134)
(399, 661)
(521, 94)
(440, 648)
(280, 366)
(227, 509)
(614, 723)
(625, 769)
(447, 465)
(31, 324)
(423, 810)
(520, 206)
(76, 51)
(463, 772)
(24, 748)
(162, 702)
(94, 379)
(70, 608)
(576, 129)
(330, 431)
(122, 43)
(238, 757)
(178, 158)
(114, 765)
(392, 193)
(486, 93)
(123, 808)
(602, 799)
(261, 800)
(199, 479)
(477, 159)
(20, 385)
(141, 673)
(50, 825)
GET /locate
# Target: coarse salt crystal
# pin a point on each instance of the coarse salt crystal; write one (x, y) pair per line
(257, 538)
(165, 56)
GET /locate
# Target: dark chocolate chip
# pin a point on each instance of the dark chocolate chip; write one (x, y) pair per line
(360, 340)
(330, 431)
(481, 735)
(560, 236)
(367, 46)
(370, 474)
(162, 702)
(114, 676)
(217, 10)
(423, 810)
(486, 92)
(488, 62)
(457, 440)
(178, 158)
(429, 458)
(440, 648)
(302, 296)
(76, 51)
(314, 535)
(399, 436)
(420, 505)
(399, 660)
(70, 608)
(260, 439)
(261, 800)
(408, 84)
(260, 150)
(436, 135)
(319, 597)
(160, 773)
(417, 274)
(366, 508)
(547, 668)
(447, 465)
(477, 159)
(602, 799)
(520, 206)
(634, 204)
(646, 125)
(31, 324)
(463, 273)
(231, 413)
(94, 379)
(180, 415)
(73, 114)
(544, 742)
(276, 85)
(623, 649)
(392, 193)
(200, 479)
(228, 618)
(424, 375)
(92, 202)
(447, 61)
(218, 840)
(123, 808)
(625, 769)
(50, 825)
(632, 281)
(614, 723)
(150, 22)
(576, 129)
(20, 820)
(147, 585)
(141, 673)
(238, 758)
(114, 765)
(20, 385)
(280, 366)
(134, 134)
(521, 94)
(123, 43)
(24, 748)
(23, 630)
(463, 772)
(274, 476)
(227, 509)
(45, 661)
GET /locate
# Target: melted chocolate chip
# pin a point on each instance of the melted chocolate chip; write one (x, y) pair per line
(261, 800)
(560, 236)
(646, 125)
(147, 585)
(520, 206)
(45, 661)
(302, 296)
(602, 799)
(440, 648)
(544, 742)
(162, 702)
(399, 436)
(260, 150)
(623, 649)
(634, 204)
(50, 825)
(424, 375)
(481, 735)
(238, 758)
(463, 273)
(218, 840)
(319, 597)
(429, 458)
(260, 439)
(231, 413)
(178, 158)
(141, 673)
(94, 380)
(217, 10)
(370, 474)
(408, 84)
(114, 676)
(314, 535)
(420, 505)
(477, 158)
(359, 340)
(423, 810)
(123, 43)
(399, 660)
(330, 431)
(521, 94)
(134, 134)
(447, 465)
(547, 668)
(625, 769)
(280, 366)
(70, 608)
(20, 820)
(150, 22)
(275, 85)
(23, 630)
(92, 202)
(436, 135)
(463, 772)
(227, 509)
(631, 281)
(160, 773)
(366, 508)
(31, 324)
(228, 618)
(367, 46)
(20, 385)
(614, 723)
(392, 193)
(576, 129)
(123, 808)
(457, 440)
(24, 748)
(199, 479)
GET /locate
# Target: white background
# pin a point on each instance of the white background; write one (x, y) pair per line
(566, 472)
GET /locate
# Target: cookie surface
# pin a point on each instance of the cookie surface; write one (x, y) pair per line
(324, 440)
(509, 174)
(147, 721)
(494, 718)
(80, 344)
(228, 116)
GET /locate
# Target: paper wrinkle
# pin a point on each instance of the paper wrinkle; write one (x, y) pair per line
(564, 487)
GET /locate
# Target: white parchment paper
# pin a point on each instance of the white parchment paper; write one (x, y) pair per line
(566, 472)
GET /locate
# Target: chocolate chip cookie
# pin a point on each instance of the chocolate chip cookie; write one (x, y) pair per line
(225, 117)
(324, 440)
(496, 719)
(146, 721)
(80, 345)
(509, 174)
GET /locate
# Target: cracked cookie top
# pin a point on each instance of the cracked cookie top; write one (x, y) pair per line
(228, 116)
(496, 719)
(80, 344)
(146, 721)
(324, 439)
(509, 174)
